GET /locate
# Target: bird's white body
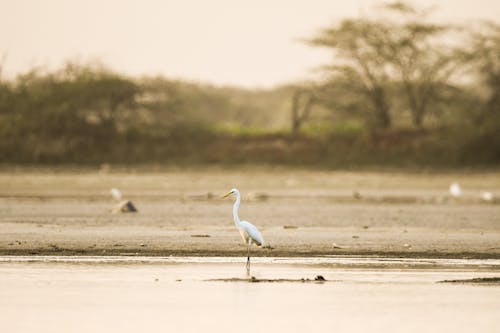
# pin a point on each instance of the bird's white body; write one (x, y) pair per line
(455, 190)
(487, 196)
(248, 231)
(116, 193)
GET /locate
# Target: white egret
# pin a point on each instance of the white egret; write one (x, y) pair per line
(455, 190)
(248, 231)
(487, 196)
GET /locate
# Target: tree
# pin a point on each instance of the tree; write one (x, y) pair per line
(94, 92)
(303, 99)
(62, 112)
(421, 62)
(485, 56)
(481, 136)
(4, 89)
(356, 45)
(403, 49)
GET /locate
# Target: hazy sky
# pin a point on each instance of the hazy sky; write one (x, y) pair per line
(252, 43)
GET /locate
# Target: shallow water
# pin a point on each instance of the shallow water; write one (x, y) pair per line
(144, 294)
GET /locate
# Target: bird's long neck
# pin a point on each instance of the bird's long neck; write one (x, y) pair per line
(235, 210)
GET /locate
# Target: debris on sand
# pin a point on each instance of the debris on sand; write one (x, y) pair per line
(55, 247)
(253, 279)
(125, 207)
(336, 246)
(290, 227)
(201, 236)
(257, 196)
(199, 196)
(486, 280)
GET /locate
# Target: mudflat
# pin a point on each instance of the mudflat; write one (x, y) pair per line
(299, 212)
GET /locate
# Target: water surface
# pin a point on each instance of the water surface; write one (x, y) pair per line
(144, 294)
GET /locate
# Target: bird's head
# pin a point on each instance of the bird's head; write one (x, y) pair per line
(232, 192)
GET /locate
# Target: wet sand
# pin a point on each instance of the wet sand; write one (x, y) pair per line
(131, 294)
(300, 213)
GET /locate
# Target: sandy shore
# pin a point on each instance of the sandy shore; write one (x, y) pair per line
(300, 213)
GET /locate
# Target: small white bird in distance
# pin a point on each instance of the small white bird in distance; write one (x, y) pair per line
(116, 193)
(487, 196)
(455, 190)
(248, 231)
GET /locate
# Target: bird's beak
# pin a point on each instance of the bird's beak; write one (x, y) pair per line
(226, 195)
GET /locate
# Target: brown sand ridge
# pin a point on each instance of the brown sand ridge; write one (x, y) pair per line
(300, 213)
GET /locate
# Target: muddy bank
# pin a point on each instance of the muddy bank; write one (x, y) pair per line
(317, 279)
(484, 281)
(140, 251)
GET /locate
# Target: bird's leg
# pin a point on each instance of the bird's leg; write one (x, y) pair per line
(248, 259)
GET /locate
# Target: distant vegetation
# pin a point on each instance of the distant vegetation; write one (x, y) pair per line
(400, 91)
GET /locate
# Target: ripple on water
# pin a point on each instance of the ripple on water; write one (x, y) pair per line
(324, 261)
